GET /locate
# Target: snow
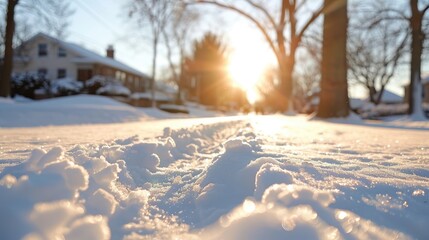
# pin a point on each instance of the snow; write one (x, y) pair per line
(390, 97)
(82, 109)
(65, 85)
(159, 96)
(114, 90)
(241, 177)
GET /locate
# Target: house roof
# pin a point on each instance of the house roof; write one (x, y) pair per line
(390, 97)
(87, 56)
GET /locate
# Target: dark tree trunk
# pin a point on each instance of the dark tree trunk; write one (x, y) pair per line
(334, 91)
(380, 95)
(286, 85)
(417, 39)
(8, 51)
(372, 94)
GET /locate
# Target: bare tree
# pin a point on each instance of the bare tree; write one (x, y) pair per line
(307, 75)
(418, 37)
(418, 22)
(307, 80)
(334, 88)
(374, 51)
(176, 37)
(283, 24)
(268, 89)
(56, 16)
(155, 14)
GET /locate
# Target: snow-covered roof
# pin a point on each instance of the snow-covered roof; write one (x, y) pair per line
(356, 103)
(87, 56)
(390, 97)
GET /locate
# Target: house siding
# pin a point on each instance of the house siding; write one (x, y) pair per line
(131, 81)
(51, 62)
(425, 92)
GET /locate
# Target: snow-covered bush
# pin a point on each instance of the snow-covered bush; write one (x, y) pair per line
(383, 110)
(27, 84)
(113, 89)
(65, 87)
(101, 85)
(96, 82)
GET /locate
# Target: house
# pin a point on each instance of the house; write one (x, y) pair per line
(425, 90)
(58, 59)
(389, 97)
(425, 84)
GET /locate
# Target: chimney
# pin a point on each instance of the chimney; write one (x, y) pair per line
(110, 52)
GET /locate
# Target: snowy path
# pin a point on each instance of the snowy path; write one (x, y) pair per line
(213, 179)
(17, 143)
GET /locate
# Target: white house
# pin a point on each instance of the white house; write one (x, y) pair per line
(59, 59)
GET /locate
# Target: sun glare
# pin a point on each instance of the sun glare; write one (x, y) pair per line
(248, 61)
(245, 71)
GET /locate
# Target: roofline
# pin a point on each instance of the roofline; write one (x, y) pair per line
(64, 43)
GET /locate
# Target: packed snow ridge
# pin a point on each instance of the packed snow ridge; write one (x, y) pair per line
(227, 180)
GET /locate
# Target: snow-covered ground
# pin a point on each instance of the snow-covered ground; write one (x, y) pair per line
(81, 109)
(244, 177)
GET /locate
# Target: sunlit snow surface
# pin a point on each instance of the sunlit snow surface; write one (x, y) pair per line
(255, 177)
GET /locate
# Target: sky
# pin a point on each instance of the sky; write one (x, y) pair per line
(98, 23)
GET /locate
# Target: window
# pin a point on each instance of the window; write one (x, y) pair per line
(62, 73)
(62, 52)
(43, 49)
(123, 77)
(42, 71)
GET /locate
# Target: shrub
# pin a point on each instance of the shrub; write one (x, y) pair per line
(66, 87)
(27, 84)
(106, 86)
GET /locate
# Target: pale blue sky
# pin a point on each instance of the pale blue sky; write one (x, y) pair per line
(98, 23)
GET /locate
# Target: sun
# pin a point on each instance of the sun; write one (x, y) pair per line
(248, 61)
(245, 73)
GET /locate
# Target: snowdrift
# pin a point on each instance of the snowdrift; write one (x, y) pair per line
(216, 181)
(72, 110)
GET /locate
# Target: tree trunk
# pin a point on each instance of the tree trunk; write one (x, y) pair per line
(152, 81)
(334, 91)
(417, 39)
(380, 95)
(8, 51)
(180, 81)
(372, 94)
(285, 91)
